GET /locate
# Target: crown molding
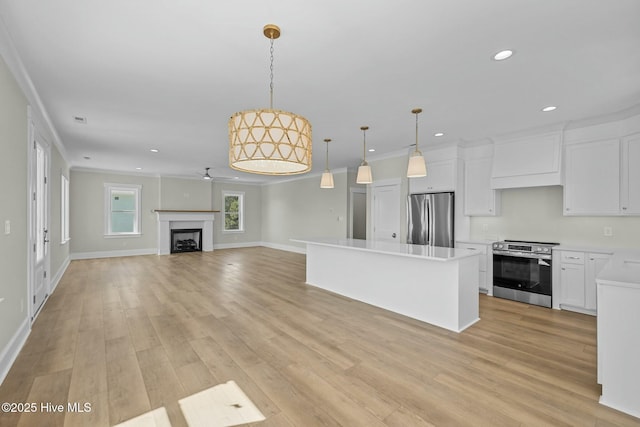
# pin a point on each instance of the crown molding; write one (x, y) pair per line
(17, 68)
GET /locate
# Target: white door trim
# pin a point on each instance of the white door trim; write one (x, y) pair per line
(33, 136)
(397, 182)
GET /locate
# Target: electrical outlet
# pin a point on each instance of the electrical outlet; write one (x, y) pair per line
(608, 231)
(485, 227)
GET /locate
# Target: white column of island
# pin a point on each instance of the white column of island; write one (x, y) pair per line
(619, 332)
(433, 284)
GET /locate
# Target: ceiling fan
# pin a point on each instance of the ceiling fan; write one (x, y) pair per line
(208, 177)
(206, 174)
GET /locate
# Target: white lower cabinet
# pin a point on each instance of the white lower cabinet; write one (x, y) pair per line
(577, 275)
(486, 263)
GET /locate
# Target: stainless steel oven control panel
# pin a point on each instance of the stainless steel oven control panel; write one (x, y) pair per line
(522, 248)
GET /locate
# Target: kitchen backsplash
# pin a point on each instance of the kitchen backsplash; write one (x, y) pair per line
(536, 214)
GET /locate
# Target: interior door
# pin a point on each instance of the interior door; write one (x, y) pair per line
(39, 226)
(386, 212)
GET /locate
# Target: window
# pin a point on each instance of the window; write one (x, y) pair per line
(233, 211)
(122, 209)
(64, 210)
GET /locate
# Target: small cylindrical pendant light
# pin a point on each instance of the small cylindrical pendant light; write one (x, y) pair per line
(327, 177)
(364, 170)
(417, 166)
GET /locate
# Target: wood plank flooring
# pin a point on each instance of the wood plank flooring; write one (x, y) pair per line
(128, 335)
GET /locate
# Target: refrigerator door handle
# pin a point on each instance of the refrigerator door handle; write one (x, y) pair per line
(429, 216)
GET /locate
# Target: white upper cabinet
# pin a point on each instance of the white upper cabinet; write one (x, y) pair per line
(592, 178)
(527, 162)
(603, 177)
(630, 185)
(441, 176)
(479, 198)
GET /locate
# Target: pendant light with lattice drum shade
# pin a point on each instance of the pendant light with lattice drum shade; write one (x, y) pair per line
(268, 141)
(417, 166)
(364, 170)
(327, 177)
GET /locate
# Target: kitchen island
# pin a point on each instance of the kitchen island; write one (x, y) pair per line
(433, 284)
(618, 334)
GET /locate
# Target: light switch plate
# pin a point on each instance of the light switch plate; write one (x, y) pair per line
(608, 231)
(7, 227)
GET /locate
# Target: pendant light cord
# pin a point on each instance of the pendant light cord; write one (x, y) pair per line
(364, 144)
(327, 156)
(271, 75)
(416, 132)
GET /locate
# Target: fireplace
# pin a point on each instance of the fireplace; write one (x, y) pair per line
(184, 220)
(186, 240)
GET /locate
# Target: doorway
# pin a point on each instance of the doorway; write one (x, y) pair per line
(39, 222)
(386, 211)
(358, 213)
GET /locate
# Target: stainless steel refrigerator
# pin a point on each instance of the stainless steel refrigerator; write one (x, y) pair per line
(430, 219)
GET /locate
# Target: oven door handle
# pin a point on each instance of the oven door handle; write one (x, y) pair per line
(521, 255)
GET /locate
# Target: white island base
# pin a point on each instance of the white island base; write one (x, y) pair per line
(432, 284)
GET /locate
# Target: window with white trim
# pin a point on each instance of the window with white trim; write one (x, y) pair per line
(233, 203)
(122, 209)
(64, 209)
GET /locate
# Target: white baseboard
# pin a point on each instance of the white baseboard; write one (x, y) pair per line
(56, 279)
(10, 352)
(288, 248)
(236, 245)
(112, 254)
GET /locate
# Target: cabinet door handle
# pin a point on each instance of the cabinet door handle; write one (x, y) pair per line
(573, 257)
(563, 268)
(624, 208)
(472, 249)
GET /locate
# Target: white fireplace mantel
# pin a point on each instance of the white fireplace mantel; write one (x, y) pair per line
(174, 219)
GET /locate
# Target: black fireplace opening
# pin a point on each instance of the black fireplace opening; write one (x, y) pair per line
(186, 240)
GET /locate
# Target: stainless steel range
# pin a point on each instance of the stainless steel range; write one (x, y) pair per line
(522, 271)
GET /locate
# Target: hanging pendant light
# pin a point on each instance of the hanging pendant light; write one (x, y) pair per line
(327, 176)
(268, 141)
(364, 171)
(417, 166)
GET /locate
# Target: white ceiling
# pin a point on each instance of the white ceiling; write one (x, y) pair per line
(168, 74)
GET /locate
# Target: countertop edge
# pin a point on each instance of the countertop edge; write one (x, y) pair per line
(467, 253)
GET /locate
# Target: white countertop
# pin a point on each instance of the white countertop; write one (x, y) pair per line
(584, 249)
(434, 253)
(622, 270)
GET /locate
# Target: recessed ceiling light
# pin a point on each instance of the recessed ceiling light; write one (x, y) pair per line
(549, 108)
(80, 119)
(154, 150)
(438, 134)
(371, 150)
(138, 169)
(235, 177)
(502, 55)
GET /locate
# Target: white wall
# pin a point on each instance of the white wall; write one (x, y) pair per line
(13, 187)
(178, 193)
(300, 208)
(87, 214)
(252, 234)
(59, 252)
(536, 214)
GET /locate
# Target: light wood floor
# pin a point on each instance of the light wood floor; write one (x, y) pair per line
(128, 335)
